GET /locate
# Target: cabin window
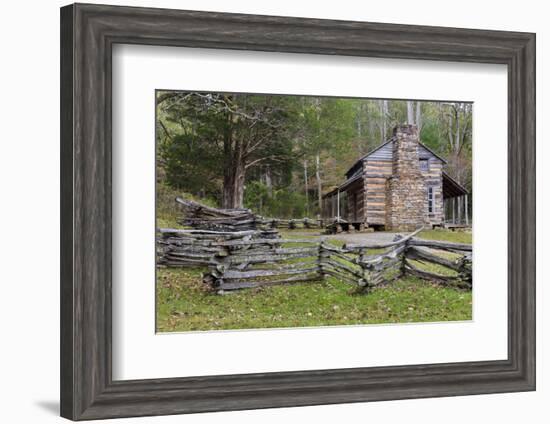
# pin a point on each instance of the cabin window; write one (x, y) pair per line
(430, 199)
(424, 165)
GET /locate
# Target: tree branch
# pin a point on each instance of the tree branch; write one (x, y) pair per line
(165, 130)
(277, 158)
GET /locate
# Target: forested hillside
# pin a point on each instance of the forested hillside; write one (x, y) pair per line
(278, 154)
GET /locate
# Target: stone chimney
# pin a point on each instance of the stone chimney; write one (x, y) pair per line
(406, 196)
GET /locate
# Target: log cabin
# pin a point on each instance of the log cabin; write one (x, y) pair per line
(401, 185)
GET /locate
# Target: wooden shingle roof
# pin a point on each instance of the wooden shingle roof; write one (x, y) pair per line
(378, 149)
(451, 187)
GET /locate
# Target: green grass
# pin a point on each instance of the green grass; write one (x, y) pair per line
(185, 305)
(168, 213)
(443, 235)
(446, 235)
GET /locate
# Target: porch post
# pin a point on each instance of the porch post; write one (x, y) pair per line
(338, 207)
(453, 204)
(460, 200)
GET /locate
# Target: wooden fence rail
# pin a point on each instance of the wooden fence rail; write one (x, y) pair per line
(195, 248)
(200, 216)
(246, 260)
(293, 224)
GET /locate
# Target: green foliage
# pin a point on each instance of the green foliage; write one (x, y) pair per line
(280, 204)
(167, 211)
(256, 197)
(288, 204)
(183, 169)
(327, 124)
(212, 135)
(431, 137)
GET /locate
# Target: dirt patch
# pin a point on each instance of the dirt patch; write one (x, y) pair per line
(375, 237)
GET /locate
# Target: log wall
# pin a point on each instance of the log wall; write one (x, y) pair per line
(434, 178)
(376, 172)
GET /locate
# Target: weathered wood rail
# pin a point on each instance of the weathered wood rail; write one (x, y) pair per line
(246, 260)
(292, 224)
(195, 248)
(442, 262)
(263, 262)
(201, 217)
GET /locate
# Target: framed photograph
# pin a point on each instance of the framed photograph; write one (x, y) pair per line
(263, 212)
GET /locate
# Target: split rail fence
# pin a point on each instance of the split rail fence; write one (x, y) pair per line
(239, 261)
(202, 217)
(195, 248)
(292, 224)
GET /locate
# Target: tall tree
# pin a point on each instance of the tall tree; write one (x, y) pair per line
(306, 186)
(328, 124)
(248, 130)
(459, 130)
(410, 112)
(384, 119)
(418, 118)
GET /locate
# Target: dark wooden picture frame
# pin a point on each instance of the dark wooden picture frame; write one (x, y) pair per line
(88, 33)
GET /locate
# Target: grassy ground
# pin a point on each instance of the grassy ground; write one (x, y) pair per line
(447, 235)
(183, 303)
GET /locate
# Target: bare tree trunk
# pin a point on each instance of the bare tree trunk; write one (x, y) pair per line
(318, 178)
(269, 182)
(458, 135)
(372, 127)
(358, 118)
(239, 189)
(410, 112)
(234, 173)
(419, 115)
(451, 143)
(233, 187)
(359, 127)
(306, 186)
(228, 200)
(384, 119)
(457, 148)
(228, 174)
(453, 132)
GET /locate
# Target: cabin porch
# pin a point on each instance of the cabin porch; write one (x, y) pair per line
(456, 204)
(343, 207)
